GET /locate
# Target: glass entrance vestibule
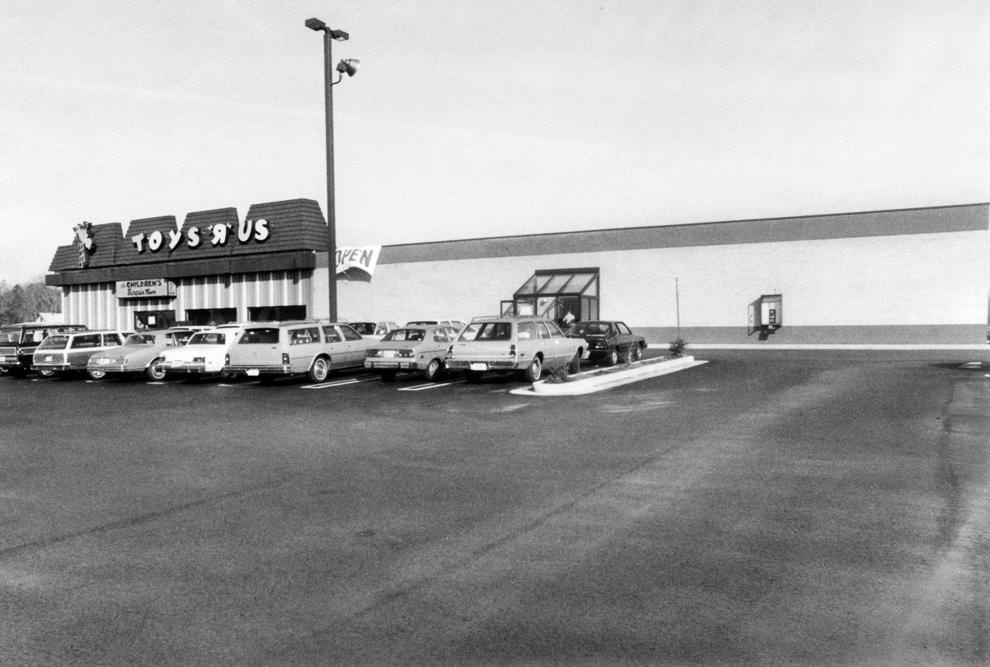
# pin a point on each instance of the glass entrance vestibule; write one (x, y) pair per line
(563, 295)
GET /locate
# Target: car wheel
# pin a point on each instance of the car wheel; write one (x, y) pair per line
(319, 370)
(432, 370)
(635, 353)
(534, 370)
(575, 365)
(155, 370)
(474, 377)
(388, 376)
(613, 357)
(96, 373)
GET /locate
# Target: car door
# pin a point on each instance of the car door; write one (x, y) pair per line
(304, 343)
(335, 346)
(624, 335)
(355, 345)
(556, 342)
(81, 348)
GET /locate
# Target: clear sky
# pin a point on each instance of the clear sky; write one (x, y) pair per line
(477, 118)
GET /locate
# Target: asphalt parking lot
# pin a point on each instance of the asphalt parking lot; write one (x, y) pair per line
(760, 509)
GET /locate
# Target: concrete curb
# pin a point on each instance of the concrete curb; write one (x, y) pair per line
(600, 380)
(829, 346)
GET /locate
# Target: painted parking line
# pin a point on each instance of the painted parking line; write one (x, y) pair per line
(429, 385)
(332, 385)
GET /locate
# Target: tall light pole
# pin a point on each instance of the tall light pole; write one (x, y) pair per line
(348, 67)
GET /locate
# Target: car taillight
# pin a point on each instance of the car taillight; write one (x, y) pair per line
(285, 358)
(406, 353)
(226, 359)
(512, 350)
(373, 352)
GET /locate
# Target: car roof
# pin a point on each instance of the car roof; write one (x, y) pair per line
(124, 332)
(44, 325)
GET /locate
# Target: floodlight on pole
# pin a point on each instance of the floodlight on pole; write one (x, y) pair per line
(349, 67)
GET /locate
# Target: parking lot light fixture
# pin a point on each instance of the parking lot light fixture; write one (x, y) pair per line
(348, 67)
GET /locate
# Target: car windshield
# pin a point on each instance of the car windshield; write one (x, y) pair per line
(590, 328)
(139, 339)
(364, 328)
(10, 335)
(208, 338)
(179, 337)
(487, 331)
(405, 334)
(56, 342)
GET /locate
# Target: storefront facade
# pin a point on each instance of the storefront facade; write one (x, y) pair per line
(215, 268)
(885, 277)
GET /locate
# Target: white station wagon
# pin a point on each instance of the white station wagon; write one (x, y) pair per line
(523, 345)
(277, 349)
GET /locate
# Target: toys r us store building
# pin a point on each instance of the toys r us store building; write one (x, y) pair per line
(892, 277)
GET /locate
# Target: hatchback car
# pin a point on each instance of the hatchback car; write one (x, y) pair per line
(140, 353)
(273, 349)
(68, 353)
(419, 349)
(204, 354)
(523, 345)
(610, 341)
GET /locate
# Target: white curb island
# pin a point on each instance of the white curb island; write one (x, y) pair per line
(601, 379)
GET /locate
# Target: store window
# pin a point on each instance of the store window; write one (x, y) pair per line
(276, 313)
(154, 319)
(562, 295)
(211, 316)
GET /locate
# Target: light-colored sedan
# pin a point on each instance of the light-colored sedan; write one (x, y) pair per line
(204, 354)
(416, 349)
(140, 353)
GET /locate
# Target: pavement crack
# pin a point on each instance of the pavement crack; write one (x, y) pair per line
(140, 519)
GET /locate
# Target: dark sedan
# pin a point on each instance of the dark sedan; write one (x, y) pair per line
(609, 341)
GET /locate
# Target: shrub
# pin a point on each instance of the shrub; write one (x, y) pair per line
(677, 347)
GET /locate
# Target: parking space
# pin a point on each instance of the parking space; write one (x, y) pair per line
(708, 516)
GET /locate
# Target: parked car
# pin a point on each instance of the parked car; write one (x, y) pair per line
(204, 354)
(418, 349)
(523, 345)
(277, 349)
(19, 341)
(67, 353)
(610, 341)
(140, 353)
(373, 330)
(453, 326)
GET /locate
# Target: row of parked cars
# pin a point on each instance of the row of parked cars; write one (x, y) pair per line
(312, 348)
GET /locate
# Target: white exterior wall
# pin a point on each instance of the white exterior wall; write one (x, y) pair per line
(921, 279)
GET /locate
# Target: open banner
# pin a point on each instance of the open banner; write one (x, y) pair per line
(358, 259)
